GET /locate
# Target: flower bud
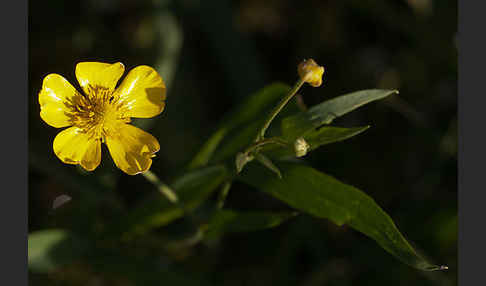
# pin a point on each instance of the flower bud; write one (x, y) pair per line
(241, 160)
(310, 72)
(301, 147)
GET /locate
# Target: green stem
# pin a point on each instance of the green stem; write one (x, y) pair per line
(161, 186)
(278, 108)
(223, 194)
(261, 142)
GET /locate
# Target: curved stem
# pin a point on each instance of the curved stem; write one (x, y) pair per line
(161, 186)
(261, 142)
(278, 108)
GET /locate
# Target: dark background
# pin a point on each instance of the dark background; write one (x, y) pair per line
(212, 54)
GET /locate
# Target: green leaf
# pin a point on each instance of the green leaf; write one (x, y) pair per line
(228, 221)
(252, 108)
(318, 194)
(302, 123)
(192, 189)
(315, 139)
(53, 248)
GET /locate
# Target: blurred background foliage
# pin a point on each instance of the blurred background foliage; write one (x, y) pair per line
(213, 54)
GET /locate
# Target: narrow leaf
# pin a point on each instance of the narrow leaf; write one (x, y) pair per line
(315, 139)
(302, 123)
(318, 194)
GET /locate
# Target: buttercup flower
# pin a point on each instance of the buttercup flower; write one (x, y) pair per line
(102, 114)
(310, 72)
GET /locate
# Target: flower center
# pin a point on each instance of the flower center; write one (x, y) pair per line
(97, 113)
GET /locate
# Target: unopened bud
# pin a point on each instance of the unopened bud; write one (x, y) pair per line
(241, 160)
(310, 72)
(301, 147)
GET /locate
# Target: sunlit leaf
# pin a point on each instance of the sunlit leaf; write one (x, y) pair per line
(304, 122)
(320, 195)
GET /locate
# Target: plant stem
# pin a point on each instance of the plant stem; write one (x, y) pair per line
(261, 142)
(278, 108)
(161, 186)
(223, 194)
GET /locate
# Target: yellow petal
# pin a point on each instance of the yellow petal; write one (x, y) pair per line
(57, 100)
(94, 75)
(73, 146)
(132, 148)
(142, 93)
(310, 72)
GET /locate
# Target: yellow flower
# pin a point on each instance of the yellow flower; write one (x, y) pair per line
(310, 72)
(102, 114)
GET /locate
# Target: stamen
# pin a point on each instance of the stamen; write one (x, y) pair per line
(97, 113)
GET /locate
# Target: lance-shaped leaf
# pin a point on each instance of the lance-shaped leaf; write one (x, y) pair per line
(300, 124)
(228, 221)
(315, 139)
(320, 195)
